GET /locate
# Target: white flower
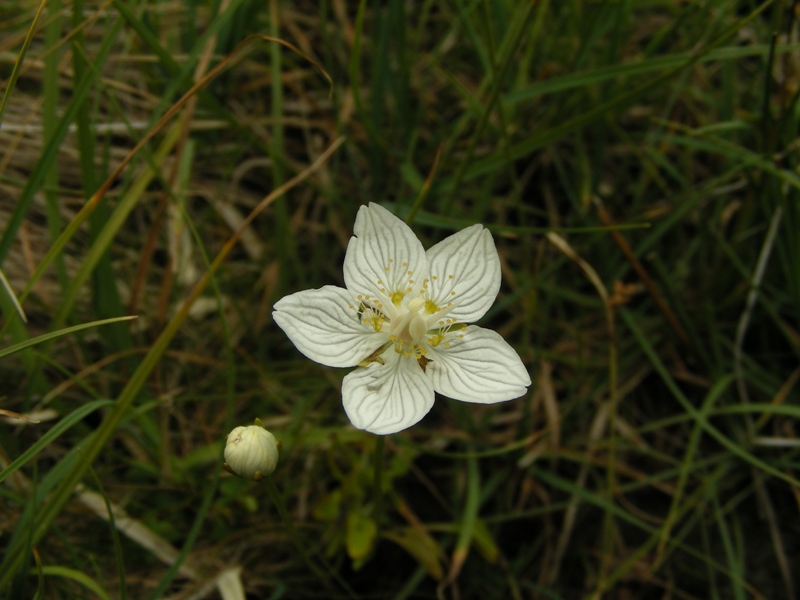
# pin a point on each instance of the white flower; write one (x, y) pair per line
(402, 321)
(251, 452)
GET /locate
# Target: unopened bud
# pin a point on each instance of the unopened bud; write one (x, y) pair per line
(251, 452)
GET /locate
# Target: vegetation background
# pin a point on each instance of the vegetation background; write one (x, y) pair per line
(636, 162)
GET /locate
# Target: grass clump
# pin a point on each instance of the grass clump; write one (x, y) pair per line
(190, 164)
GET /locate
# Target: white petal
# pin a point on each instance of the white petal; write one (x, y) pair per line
(381, 254)
(387, 398)
(465, 263)
(324, 325)
(479, 367)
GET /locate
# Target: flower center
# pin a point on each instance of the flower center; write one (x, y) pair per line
(416, 324)
(409, 330)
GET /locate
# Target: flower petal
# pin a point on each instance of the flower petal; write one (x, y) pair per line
(383, 257)
(478, 367)
(324, 325)
(387, 398)
(467, 273)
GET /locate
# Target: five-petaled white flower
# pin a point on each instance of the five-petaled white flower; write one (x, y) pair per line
(402, 321)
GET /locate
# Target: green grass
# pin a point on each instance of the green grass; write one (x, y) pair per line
(636, 163)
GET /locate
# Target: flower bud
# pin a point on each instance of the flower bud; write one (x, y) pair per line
(251, 452)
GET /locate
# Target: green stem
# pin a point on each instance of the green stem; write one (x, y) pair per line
(467, 521)
(277, 499)
(378, 484)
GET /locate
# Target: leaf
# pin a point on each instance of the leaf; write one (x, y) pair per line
(329, 507)
(361, 534)
(56, 334)
(13, 415)
(78, 576)
(74, 417)
(484, 542)
(421, 545)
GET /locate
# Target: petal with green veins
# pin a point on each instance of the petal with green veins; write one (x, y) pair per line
(465, 271)
(325, 325)
(384, 259)
(387, 398)
(478, 367)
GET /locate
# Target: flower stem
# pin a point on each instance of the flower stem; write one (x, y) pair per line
(277, 499)
(378, 483)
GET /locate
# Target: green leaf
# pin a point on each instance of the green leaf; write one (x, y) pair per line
(484, 542)
(62, 426)
(361, 534)
(329, 507)
(56, 334)
(81, 578)
(421, 545)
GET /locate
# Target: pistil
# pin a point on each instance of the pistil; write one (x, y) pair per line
(409, 330)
